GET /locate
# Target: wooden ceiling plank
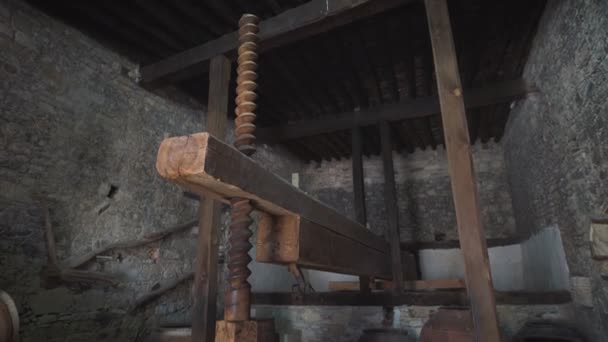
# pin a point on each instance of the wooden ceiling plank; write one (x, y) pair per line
(119, 28)
(304, 21)
(202, 17)
(129, 15)
(422, 107)
(165, 15)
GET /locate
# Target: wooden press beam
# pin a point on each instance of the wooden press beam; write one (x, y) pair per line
(418, 108)
(201, 163)
(301, 22)
(205, 280)
(296, 240)
(460, 165)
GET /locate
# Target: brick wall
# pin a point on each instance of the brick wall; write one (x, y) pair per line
(426, 208)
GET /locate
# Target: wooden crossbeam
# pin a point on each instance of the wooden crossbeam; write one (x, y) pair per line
(462, 176)
(418, 108)
(202, 164)
(422, 298)
(411, 285)
(301, 22)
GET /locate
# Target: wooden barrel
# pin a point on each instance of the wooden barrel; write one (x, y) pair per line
(449, 325)
(9, 319)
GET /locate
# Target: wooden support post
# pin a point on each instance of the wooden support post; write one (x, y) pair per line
(390, 198)
(205, 283)
(460, 163)
(359, 191)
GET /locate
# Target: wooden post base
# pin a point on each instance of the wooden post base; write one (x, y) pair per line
(246, 331)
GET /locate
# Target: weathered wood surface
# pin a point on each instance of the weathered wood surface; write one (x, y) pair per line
(412, 285)
(205, 280)
(390, 202)
(304, 21)
(460, 165)
(418, 108)
(292, 239)
(201, 163)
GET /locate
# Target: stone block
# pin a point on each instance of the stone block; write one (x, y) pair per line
(599, 240)
(581, 290)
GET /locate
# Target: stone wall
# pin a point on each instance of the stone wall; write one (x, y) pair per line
(556, 147)
(426, 208)
(76, 130)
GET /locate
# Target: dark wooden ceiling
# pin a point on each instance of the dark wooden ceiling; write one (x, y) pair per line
(383, 59)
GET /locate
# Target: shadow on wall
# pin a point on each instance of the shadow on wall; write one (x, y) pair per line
(537, 264)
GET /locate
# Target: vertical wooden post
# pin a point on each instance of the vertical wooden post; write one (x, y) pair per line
(359, 191)
(205, 281)
(460, 161)
(390, 198)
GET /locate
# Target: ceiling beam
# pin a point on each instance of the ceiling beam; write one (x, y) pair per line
(417, 108)
(298, 23)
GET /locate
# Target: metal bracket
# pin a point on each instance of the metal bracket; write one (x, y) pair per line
(302, 286)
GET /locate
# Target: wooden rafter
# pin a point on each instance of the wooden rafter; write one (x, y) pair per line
(304, 21)
(418, 108)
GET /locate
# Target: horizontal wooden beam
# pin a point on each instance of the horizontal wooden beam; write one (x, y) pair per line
(411, 285)
(298, 23)
(205, 165)
(422, 107)
(292, 239)
(421, 298)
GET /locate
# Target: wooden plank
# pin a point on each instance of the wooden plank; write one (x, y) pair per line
(205, 280)
(417, 108)
(359, 189)
(202, 164)
(390, 202)
(293, 239)
(413, 285)
(421, 298)
(301, 22)
(460, 165)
